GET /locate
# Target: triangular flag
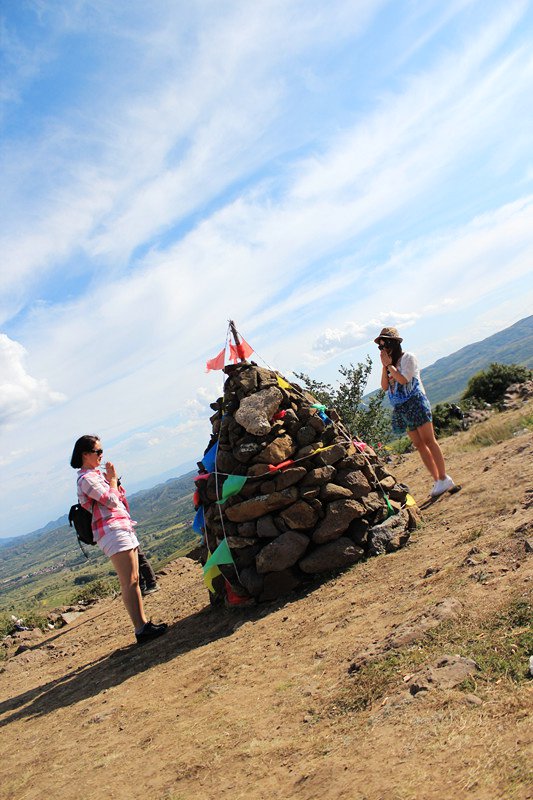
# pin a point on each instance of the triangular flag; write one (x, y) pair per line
(272, 468)
(232, 485)
(222, 555)
(209, 458)
(198, 524)
(217, 362)
(209, 574)
(391, 511)
(242, 351)
(282, 383)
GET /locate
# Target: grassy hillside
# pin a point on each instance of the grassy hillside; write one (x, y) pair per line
(45, 566)
(446, 379)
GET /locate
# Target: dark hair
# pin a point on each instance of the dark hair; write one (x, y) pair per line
(84, 445)
(396, 351)
(394, 347)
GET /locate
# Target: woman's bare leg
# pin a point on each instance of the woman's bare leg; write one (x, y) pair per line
(425, 452)
(126, 564)
(427, 437)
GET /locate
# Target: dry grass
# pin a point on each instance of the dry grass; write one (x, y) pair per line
(498, 428)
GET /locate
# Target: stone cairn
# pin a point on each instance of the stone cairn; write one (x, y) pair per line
(291, 521)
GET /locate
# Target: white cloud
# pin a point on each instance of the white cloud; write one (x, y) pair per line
(352, 334)
(21, 395)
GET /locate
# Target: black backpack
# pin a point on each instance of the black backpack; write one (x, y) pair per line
(82, 521)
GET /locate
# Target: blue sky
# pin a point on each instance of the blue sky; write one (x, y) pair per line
(311, 170)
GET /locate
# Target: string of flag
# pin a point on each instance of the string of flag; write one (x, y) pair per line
(234, 483)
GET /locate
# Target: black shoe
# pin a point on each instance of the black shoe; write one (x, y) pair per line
(150, 589)
(151, 631)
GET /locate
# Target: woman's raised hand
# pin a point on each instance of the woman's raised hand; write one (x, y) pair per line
(110, 472)
(386, 360)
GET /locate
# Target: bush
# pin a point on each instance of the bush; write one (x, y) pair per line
(370, 422)
(81, 580)
(447, 419)
(96, 589)
(490, 386)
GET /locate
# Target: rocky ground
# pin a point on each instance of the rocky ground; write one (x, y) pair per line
(404, 677)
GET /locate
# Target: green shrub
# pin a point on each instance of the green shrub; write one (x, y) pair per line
(491, 384)
(96, 589)
(447, 419)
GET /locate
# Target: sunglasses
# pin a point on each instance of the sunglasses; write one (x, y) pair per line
(384, 346)
(96, 452)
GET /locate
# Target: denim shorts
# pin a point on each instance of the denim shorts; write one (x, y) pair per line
(412, 414)
(118, 541)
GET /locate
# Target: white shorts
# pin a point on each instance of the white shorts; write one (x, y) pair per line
(117, 542)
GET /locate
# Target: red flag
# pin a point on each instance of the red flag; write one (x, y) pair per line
(217, 362)
(242, 350)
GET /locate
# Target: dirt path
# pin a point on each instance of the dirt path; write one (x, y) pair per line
(273, 701)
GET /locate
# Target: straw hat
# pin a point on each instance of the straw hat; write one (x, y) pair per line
(389, 333)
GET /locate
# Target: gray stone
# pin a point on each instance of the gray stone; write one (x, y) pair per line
(251, 580)
(339, 514)
(338, 554)
(266, 528)
(246, 450)
(277, 584)
(332, 491)
(256, 411)
(318, 476)
(356, 482)
(288, 477)
(331, 456)
(306, 435)
(300, 516)
(389, 535)
(259, 506)
(445, 673)
(282, 552)
(281, 449)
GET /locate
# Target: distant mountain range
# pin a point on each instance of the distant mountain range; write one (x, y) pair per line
(446, 379)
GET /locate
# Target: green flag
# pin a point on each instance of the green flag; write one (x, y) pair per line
(232, 485)
(222, 555)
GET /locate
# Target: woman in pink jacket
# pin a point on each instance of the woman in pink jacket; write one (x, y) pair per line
(113, 528)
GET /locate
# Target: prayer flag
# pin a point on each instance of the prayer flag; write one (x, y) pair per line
(272, 468)
(211, 573)
(282, 383)
(198, 524)
(242, 350)
(319, 406)
(232, 485)
(222, 555)
(209, 458)
(410, 500)
(217, 362)
(391, 512)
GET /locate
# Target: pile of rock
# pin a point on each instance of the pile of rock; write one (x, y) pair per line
(517, 394)
(313, 501)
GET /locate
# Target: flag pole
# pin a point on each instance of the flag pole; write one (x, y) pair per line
(236, 338)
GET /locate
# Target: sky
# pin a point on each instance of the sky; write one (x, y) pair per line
(313, 171)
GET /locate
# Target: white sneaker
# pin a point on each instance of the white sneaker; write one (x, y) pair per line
(442, 486)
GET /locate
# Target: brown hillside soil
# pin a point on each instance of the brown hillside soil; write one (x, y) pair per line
(309, 698)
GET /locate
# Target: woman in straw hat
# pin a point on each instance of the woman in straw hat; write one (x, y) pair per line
(411, 410)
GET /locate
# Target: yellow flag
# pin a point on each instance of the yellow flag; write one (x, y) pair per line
(282, 383)
(410, 500)
(211, 573)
